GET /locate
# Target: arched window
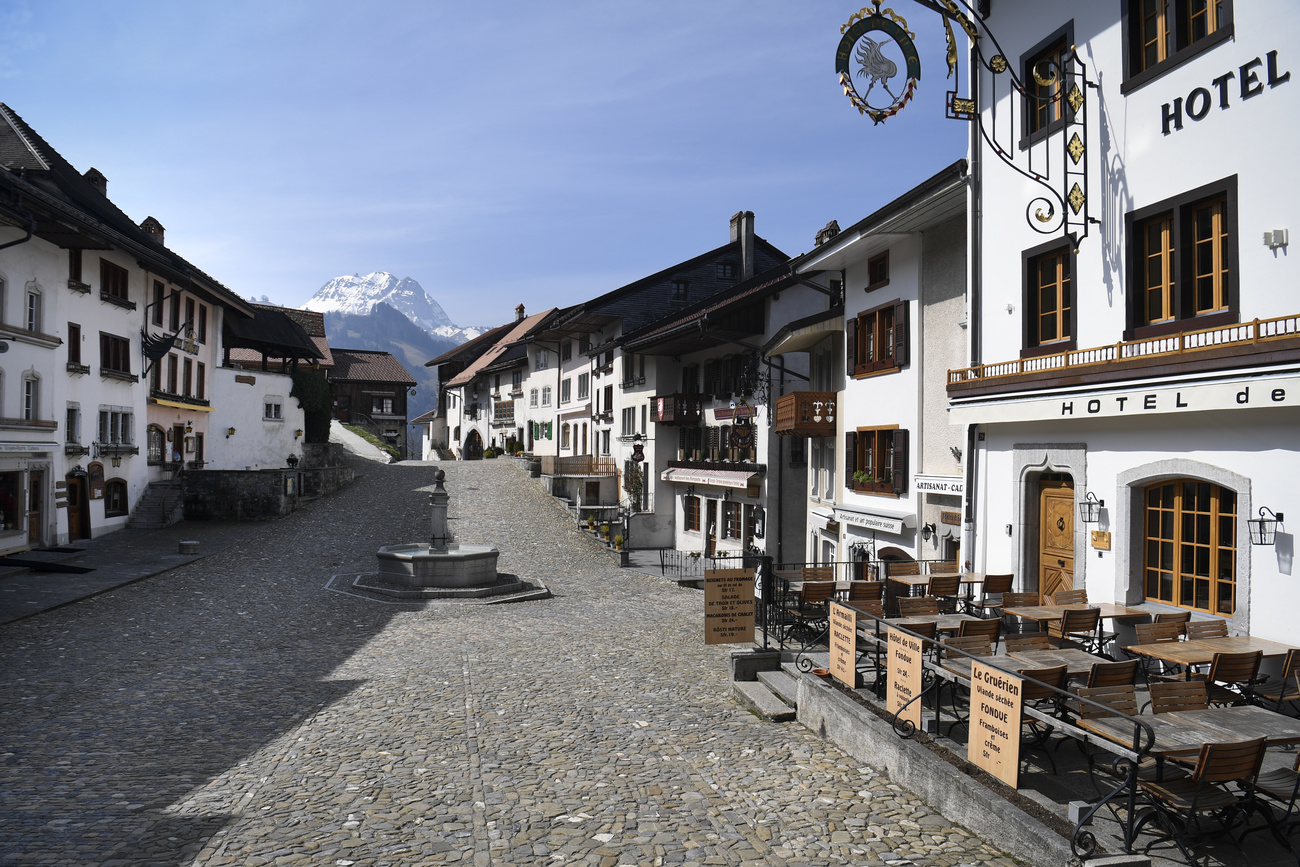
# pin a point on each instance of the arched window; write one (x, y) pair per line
(564, 435)
(114, 498)
(1191, 546)
(31, 396)
(155, 438)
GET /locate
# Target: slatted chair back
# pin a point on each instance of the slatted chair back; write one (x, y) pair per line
(819, 573)
(1168, 696)
(1154, 633)
(990, 600)
(1119, 697)
(1026, 599)
(1113, 673)
(975, 645)
(912, 606)
(1179, 617)
(1231, 762)
(997, 584)
(904, 567)
(944, 585)
(989, 629)
(1077, 596)
(872, 606)
(1231, 676)
(1029, 641)
(817, 592)
(1284, 689)
(1198, 629)
(1053, 676)
(925, 630)
(935, 567)
(865, 591)
(1079, 624)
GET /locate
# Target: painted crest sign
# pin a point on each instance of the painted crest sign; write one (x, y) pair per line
(888, 65)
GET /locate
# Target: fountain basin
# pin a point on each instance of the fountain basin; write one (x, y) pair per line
(417, 565)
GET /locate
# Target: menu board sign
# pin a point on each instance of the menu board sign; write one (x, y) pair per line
(904, 683)
(994, 744)
(844, 645)
(728, 606)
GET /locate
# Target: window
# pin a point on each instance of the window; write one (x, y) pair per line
(114, 354)
(115, 425)
(31, 397)
(114, 498)
(1164, 33)
(74, 266)
(629, 421)
(1049, 307)
(155, 376)
(154, 437)
(113, 282)
(189, 312)
(875, 460)
(877, 271)
(201, 332)
(187, 377)
(691, 514)
(532, 397)
(726, 271)
(878, 340)
(381, 405)
(564, 435)
(174, 319)
(543, 360)
(72, 424)
(566, 388)
(1045, 86)
(271, 408)
(516, 382)
(681, 292)
(32, 311)
(584, 385)
(171, 374)
(731, 526)
(156, 305)
(609, 401)
(546, 395)
(74, 343)
(584, 344)
(1191, 546)
(815, 463)
(1183, 262)
(604, 442)
(201, 382)
(566, 350)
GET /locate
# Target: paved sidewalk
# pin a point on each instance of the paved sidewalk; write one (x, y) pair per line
(235, 711)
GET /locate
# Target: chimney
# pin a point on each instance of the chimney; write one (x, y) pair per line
(153, 229)
(519, 313)
(742, 230)
(97, 180)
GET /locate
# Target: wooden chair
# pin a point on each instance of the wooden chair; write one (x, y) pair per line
(1281, 691)
(1045, 695)
(1078, 596)
(1028, 641)
(1168, 696)
(1112, 674)
(989, 629)
(947, 589)
(935, 567)
(1280, 786)
(904, 567)
(1179, 617)
(1118, 699)
(1198, 629)
(990, 601)
(865, 591)
(818, 573)
(975, 645)
(1183, 808)
(1080, 626)
(1011, 624)
(1155, 633)
(810, 612)
(1232, 677)
(914, 606)
(871, 606)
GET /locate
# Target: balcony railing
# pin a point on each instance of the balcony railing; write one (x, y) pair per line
(1231, 341)
(806, 414)
(579, 465)
(679, 409)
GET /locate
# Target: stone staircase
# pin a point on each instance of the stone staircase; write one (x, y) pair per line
(160, 506)
(773, 696)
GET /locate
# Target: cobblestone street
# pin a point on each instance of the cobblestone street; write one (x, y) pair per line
(235, 711)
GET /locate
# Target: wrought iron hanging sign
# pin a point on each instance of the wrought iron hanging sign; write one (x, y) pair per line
(878, 40)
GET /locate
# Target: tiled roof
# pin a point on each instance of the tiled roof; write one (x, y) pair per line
(469, 348)
(427, 417)
(518, 331)
(369, 365)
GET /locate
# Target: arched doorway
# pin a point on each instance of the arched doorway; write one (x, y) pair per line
(78, 506)
(473, 446)
(1055, 533)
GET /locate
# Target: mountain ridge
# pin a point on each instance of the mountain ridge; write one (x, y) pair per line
(358, 295)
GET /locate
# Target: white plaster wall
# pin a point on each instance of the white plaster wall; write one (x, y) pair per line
(258, 442)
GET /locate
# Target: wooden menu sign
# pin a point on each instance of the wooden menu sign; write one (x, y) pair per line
(728, 606)
(844, 645)
(904, 679)
(994, 744)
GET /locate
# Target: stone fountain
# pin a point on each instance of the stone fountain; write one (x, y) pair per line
(441, 567)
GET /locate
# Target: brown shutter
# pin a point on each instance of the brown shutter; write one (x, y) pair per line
(850, 346)
(900, 462)
(902, 333)
(850, 457)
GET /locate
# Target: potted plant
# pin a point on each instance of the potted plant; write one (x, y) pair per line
(604, 530)
(591, 522)
(618, 543)
(863, 477)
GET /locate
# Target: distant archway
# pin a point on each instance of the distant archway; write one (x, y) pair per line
(473, 450)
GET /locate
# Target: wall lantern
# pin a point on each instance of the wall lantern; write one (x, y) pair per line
(230, 431)
(189, 427)
(297, 433)
(1090, 508)
(116, 460)
(1263, 531)
(928, 531)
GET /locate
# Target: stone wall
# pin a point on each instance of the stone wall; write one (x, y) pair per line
(258, 495)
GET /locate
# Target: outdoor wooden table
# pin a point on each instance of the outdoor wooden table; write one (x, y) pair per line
(966, 577)
(1047, 613)
(1201, 651)
(960, 665)
(1184, 731)
(1077, 662)
(942, 622)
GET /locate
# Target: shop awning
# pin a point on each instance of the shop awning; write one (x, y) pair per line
(718, 478)
(180, 404)
(885, 520)
(804, 334)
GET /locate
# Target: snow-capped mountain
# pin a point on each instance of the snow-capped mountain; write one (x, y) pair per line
(358, 295)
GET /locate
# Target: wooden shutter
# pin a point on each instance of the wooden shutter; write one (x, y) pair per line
(851, 346)
(900, 462)
(850, 457)
(901, 333)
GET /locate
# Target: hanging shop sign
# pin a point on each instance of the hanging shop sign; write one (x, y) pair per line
(931, 484)
(888, 65)
(870, 521)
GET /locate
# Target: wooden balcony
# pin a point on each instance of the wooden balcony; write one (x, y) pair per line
(806, 414)
(679, 409)
(1230, 347)
(579, 465)
(503, 412)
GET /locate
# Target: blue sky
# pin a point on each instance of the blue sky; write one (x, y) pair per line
(541, 153)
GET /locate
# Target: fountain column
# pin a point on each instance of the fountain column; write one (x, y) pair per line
(438, 537)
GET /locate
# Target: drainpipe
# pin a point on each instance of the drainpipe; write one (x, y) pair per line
(973, 317)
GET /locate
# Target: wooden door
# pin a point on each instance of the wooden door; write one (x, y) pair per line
(78, 509)
(1055, 536)
(711, 528)
(35, 500)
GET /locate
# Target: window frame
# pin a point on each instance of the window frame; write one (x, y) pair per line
(1053, 47)
(1177, 524)
(546, 395)
(681, 291)
(862, 356)
(690, 513)
(732, 516)
(1180, 211)
(33, 312)
(119, 350)
(115, 284)
(115, 498)
(1136, 72)
(1030, 294)
(885, 448)
(877, 272)
(566, 389)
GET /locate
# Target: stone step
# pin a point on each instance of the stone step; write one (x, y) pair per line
(782, 684)
(762, 701)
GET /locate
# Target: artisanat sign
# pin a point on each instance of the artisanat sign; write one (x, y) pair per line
(994, 744)
(1201, 99)
(728, 606)
(904, 683)
(844, 645)
(1185, 397)
(871, 522)
(931, 484)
